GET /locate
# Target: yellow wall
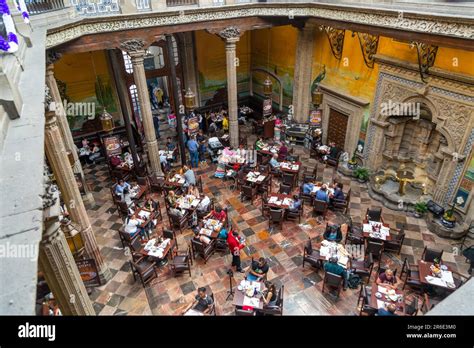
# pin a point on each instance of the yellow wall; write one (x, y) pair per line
(77, 71)
(211, 63)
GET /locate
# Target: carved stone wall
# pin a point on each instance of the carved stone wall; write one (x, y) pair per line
(451, 104)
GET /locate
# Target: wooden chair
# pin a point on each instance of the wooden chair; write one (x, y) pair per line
(213, 310)
(199, 184)
(288, 179)
(342, 205)
(266, 185)
(181, 262)
(308, 176)
(144, 269)
(429, 255)
(305, 197)
(293, 215)
(363, 268)
(354, 237)
(334, 281)
(122, 209)
(249, 192)
(375, 248)
(311, 256)
(263, 168)
(244, 312)
(334, 161)
(364, 302)
(170, 234)
(320, 207)
(429, 302)
(374, 214)
(276, 309)
(126, 239)
(179, 222)
(276, 217)
(201, 249)
(411, 274)
(411, 308)
(396, 243)
(285, 189)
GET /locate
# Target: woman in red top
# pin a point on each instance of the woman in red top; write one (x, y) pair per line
(217, 214)
(233, 241)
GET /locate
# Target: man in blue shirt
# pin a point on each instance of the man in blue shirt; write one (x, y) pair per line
(389, 312)
(333, 267)
(308, 188)
(322, 194)
(274, 162)
(189, 176)
(120, 186)
(295, 206)
(193, 148)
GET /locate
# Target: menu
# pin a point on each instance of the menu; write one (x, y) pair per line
(112, 145)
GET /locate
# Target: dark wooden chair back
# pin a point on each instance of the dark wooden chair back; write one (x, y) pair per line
(429, 255)
(374, 214)
(285, 189)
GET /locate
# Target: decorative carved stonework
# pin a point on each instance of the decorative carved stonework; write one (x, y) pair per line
(133, 45)
(230, 33)
(368, 44)
(426, 57)
(336, 40)
(49, 197)
(48, 98)
(427, 24)
(52, 56)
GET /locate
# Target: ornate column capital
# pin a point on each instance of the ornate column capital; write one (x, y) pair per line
(51, 57)
(134, 47)
(229, 34)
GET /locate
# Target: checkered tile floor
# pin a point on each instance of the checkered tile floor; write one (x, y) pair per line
(283, 248)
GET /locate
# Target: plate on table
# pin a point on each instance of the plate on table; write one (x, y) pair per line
(240, 288)
(444, 267)
(378, 294)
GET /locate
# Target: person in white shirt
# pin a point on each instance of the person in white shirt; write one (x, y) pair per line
(126, 197)
(204, 204)
(132, 225)
(274, 162)
(241, 151)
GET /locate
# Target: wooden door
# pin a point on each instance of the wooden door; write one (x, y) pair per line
(337, 128)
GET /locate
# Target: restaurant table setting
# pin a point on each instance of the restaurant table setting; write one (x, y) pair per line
(213, 225)
(135, 191)
(255, 177)
(272, 149)
(249, 294)
(280, 201)
(188, 202)
(156, 247)
(193, 312)
(169, 154)
(385, 296)
(291, 166)
(332, 249)
(376, 230)
(440, 275)
(177, 179)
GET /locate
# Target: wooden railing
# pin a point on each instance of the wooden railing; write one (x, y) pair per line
(42, 6)
(181, 2)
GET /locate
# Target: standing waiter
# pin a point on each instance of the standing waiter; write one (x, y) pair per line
(235, 245)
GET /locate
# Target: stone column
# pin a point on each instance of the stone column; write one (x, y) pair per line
(57, 263)
(189, 63)
(231, 36)
(373, 154)
(57, 157)
(51, 57)
(303, 73)
(136, 50)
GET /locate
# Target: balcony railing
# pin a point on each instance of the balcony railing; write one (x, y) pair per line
(172, 3)
(42, 6)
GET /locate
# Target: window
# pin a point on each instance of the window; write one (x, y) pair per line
(135, 102)
(128, 62)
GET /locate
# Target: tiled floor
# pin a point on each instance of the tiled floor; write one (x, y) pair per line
(283, 248)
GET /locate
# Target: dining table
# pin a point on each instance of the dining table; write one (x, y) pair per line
(290, 167)
(188, 202)
(444, 280)
(211, 227)
(279, 201)
(138, 191)
(381, 297)
(256, 178)
(144, 215)
(376, 230)
(316, 188)
(330, 249)
(241, 298)
(269, 150)
(175, 181)
(159, 252)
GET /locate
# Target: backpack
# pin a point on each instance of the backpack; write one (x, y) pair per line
(354, 281)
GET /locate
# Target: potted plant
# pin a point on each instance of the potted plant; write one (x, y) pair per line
(420, 209)
(448, 219)
(352, 163)
(362, 174)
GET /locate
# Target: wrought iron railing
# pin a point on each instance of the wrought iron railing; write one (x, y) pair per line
(42, 6)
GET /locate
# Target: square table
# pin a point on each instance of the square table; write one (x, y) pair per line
(425, 271)
(290, 167)
(137, 191)
(214, 225)
(280, 198)
(385, 299)
(329, 249)
(241, 300)
(368, 232)
(176, 181)
(144, 215)
(256, 178)
(183, 202)
(164, 253)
